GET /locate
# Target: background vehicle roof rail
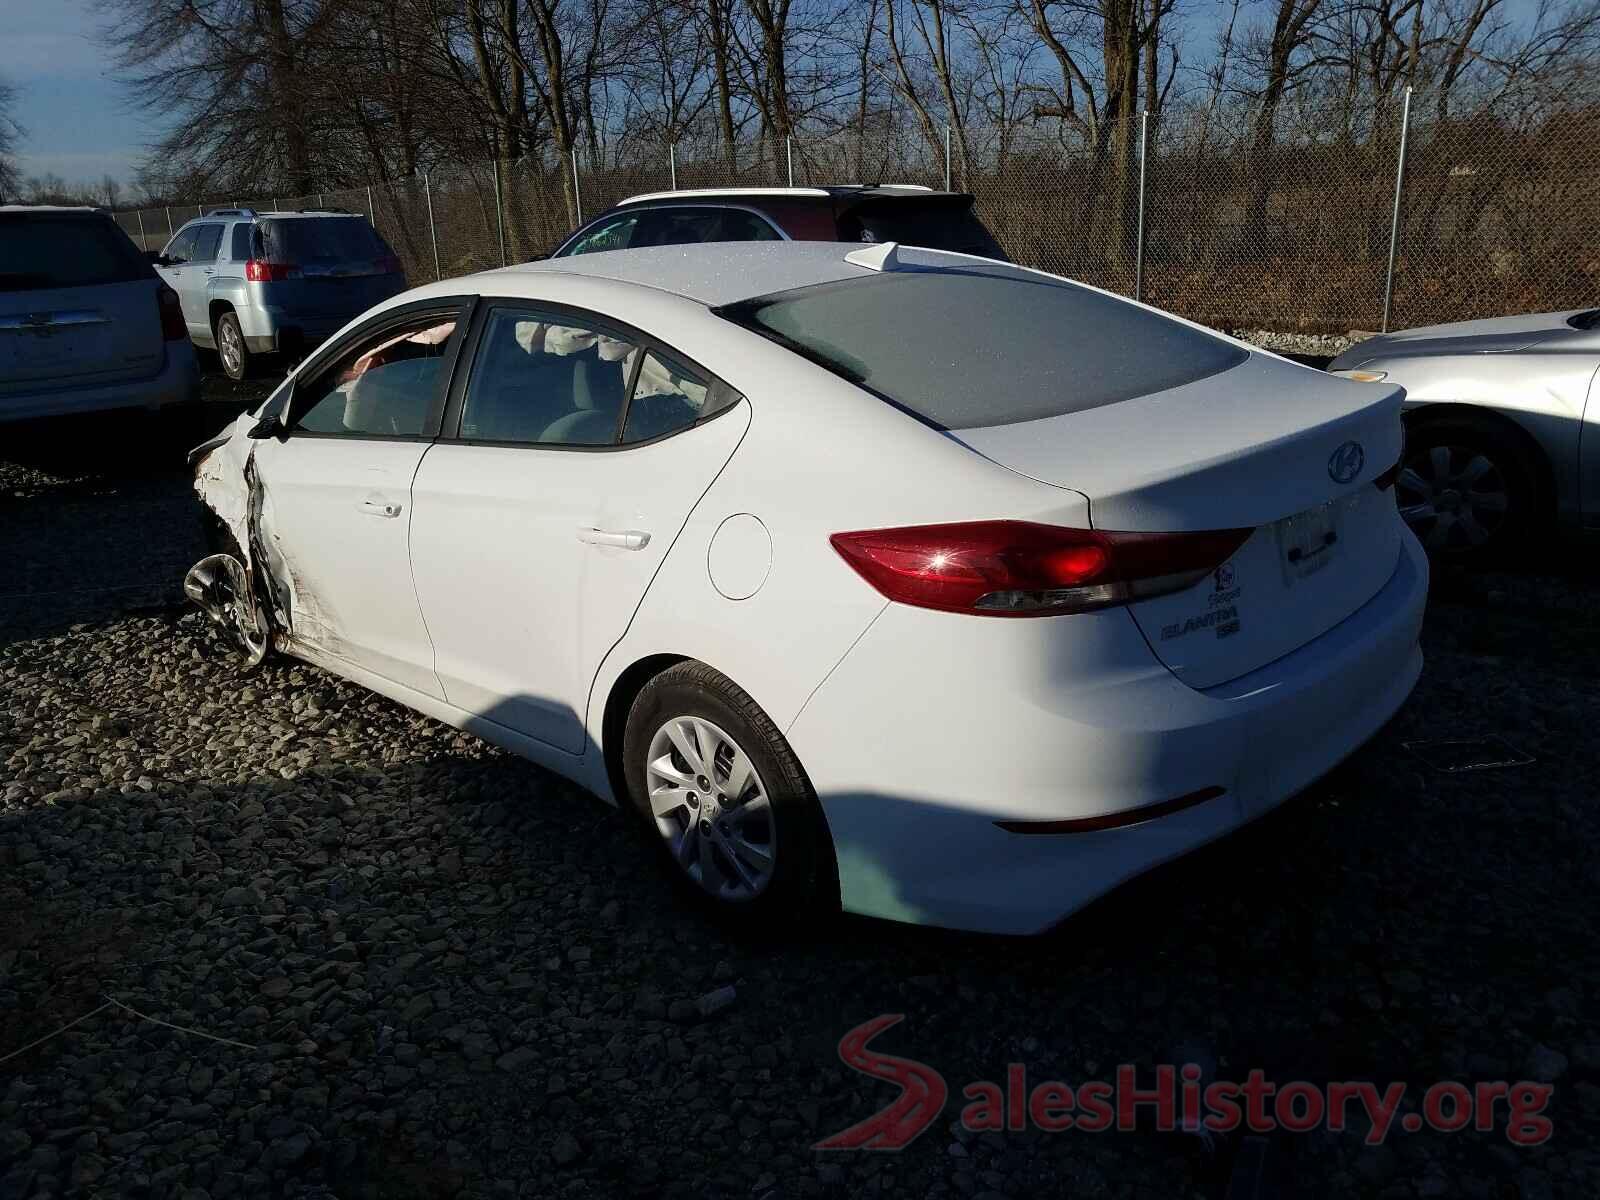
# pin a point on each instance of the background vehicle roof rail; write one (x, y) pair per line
(232, 212)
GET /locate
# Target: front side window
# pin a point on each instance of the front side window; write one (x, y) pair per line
(615, 234)
(383, 387)
(546, 378)
(206, 241)
(181, 248)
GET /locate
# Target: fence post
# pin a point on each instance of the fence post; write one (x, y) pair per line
(577, 188)
(139, 216)
(788, 149)
(1138, 245)
(321, 203)
(199, 210)
(433, 230)
(499, 211)
(372, 214)
(947, 158)
(277, 204)
(1394, 221)
(168, 211)
(672, 163)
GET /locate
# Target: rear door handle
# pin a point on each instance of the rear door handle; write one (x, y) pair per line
(626, 539)
(380, 508)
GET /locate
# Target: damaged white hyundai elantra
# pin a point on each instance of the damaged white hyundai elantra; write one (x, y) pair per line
(942, 589)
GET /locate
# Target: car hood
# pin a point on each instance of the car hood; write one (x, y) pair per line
(1498, 335)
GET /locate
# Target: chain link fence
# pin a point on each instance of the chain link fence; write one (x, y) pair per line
(1289, 232)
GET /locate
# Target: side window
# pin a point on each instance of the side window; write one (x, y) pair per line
(239, 251)
(181, 248)
(385, 386)
(615, 234)
(668, 396)
(739, 226)
(687, 226)
(545, 378)
(207, 239)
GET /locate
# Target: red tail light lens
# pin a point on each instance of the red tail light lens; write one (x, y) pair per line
(259, 271)
(1021, 569)
(173, 328)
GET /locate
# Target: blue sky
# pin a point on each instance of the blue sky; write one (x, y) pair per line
(79, 122)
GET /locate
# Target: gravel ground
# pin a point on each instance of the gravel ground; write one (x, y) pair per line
(407, 964)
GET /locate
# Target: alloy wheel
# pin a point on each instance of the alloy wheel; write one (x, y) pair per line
(1455, 498)
(228, 345)
(711, 807)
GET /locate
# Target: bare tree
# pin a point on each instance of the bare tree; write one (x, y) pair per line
(10, 134)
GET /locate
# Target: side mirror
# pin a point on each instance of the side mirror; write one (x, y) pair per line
(267, 426)
(157, 259)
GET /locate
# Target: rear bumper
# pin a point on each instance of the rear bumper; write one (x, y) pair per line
(935, 727)
(178, 382)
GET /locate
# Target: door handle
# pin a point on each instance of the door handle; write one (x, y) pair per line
(379, 508)
(626, 539)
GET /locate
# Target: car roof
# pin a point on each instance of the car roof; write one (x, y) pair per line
(53, 208)
(830, 191)
(718, 273)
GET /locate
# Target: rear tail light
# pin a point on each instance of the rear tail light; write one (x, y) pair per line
(259, 271)
(1020, 569)
(173, 328)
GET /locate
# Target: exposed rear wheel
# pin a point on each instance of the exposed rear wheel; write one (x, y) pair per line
(1467, 489)
(725, 800)
(231, 350)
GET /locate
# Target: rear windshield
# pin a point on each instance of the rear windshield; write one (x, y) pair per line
(965, 349)
(303, 240)
(49, 250)
(942, 223)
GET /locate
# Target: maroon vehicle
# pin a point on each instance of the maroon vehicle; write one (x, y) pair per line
(885, 212)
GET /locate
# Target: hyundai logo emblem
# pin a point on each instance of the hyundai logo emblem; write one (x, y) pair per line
(1345, 463)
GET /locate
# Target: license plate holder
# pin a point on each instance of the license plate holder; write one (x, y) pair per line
(1308, 542)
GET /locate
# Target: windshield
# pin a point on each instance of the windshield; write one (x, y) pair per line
(51, 250)
(963, 349)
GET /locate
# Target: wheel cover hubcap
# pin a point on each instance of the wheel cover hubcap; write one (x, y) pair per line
(711, 808)
(1453, 497)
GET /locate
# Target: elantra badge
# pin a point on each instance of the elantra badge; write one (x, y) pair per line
(1345, 463)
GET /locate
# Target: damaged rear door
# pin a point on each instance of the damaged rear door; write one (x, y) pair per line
(330, 496)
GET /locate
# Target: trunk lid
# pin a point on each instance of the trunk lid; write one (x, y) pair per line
(1267, 446)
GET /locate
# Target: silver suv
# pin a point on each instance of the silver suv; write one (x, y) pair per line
(85, 325)
(275, 282)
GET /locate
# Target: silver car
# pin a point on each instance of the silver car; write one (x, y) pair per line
(275, 282)
(85, 325)
(1495, 413)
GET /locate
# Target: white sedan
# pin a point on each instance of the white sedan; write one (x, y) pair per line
(942, 589)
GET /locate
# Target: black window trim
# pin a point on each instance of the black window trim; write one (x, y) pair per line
(461, 378)
(668, 205)
(327, 356)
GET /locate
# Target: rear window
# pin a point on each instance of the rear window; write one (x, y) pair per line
(305, 240)
(942, 223)
(965, 349)
(46, 250)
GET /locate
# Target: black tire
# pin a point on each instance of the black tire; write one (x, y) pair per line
(1458, 519)
(232, 353)
(801, 884)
